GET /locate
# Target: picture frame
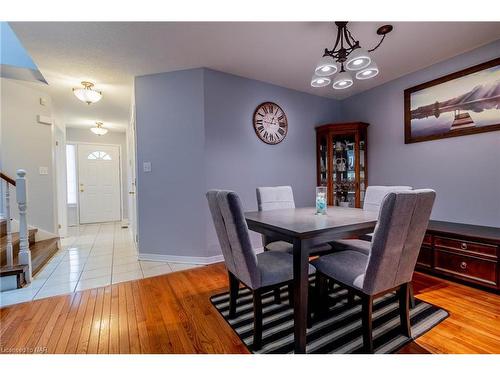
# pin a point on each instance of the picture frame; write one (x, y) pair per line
(462, 103)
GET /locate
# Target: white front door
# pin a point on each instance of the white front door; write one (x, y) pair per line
(99, 183)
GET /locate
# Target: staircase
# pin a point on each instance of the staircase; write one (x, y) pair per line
(20, 260)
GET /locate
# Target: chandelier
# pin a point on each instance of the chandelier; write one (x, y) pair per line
(99, 130)
(346, 54)
(87, 93)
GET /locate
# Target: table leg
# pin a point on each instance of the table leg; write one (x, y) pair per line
(301, 286)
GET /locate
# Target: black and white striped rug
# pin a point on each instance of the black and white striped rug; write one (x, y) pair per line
(340, 332)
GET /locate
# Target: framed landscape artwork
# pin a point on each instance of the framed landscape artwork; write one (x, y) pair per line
(462, 103)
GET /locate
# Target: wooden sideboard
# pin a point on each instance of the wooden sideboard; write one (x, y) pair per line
(463, 253)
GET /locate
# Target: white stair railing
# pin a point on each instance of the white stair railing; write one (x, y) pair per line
(7, 183)
(24, 246)
(10, 253)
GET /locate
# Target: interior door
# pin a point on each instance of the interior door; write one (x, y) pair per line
(99, 183)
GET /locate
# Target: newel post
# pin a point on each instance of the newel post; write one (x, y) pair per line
(24, 246)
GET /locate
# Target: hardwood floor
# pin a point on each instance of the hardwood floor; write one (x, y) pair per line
(172, 314)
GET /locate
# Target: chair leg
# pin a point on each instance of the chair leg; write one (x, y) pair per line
(277, 296)
(290, 294)
(234, 285)
(404, 309)
(367, 309)
(331, 284)
(350, 298)
(257, 319)
(321, 295)
(412, 296)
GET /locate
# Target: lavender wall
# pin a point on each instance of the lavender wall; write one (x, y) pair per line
(464, 171)
(236, 159)
(195, 126)
(170, 135)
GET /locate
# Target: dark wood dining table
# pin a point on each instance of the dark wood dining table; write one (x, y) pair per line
(305, 230)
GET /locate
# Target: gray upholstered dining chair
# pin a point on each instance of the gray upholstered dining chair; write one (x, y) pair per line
(275, 198)
(261, 272)
(389, 262)
(373, 199)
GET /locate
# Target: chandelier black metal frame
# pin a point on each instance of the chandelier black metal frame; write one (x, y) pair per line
(347, 53)
(344, 35)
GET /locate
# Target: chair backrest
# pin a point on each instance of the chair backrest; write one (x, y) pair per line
(232, 231)
(275, 198)
(402, 222)
(375, 194)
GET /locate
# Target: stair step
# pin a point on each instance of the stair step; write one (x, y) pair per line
(3, 227)
(42, 252)
(15, 245)
(18, 271)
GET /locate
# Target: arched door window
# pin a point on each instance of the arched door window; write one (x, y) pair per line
(99, 155)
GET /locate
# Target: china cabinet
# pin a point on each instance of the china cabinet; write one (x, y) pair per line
(342, 162)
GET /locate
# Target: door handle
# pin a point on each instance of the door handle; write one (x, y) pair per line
(81, 190)
(131, 192)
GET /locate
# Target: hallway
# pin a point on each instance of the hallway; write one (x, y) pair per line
(92, 256)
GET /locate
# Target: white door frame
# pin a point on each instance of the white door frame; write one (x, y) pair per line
(78, 172)
(60, 181)
(132, 175)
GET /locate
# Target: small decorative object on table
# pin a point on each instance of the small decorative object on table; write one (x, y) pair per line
(321, 200)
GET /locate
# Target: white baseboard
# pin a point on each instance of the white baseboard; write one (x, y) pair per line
(186, 259)
(181, 259)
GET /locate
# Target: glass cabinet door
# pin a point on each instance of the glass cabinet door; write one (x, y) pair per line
(323, 160)
(362, 169)
(344, 179)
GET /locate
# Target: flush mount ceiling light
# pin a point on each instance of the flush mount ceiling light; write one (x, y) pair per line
(87, 93)
(347, 54)
(99, 130)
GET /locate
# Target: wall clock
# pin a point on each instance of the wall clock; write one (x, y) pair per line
(270, 123)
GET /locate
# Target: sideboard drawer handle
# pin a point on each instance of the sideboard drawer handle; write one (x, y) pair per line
(463, 245)
(463, 265)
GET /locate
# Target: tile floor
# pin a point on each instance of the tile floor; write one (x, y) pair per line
(91, 256)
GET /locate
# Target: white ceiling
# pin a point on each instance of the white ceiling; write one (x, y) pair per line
(283, 53)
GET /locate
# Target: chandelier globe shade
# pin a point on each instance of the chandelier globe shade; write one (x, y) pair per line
(358, 59)
(326, 67)
(318, 81)
(342, 81)
(369, 72)
(87, 93)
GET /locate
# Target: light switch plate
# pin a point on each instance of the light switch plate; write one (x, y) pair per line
(46, 120)
(43, 170)
(146, 166)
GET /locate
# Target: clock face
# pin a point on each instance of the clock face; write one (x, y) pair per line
(270, 123)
